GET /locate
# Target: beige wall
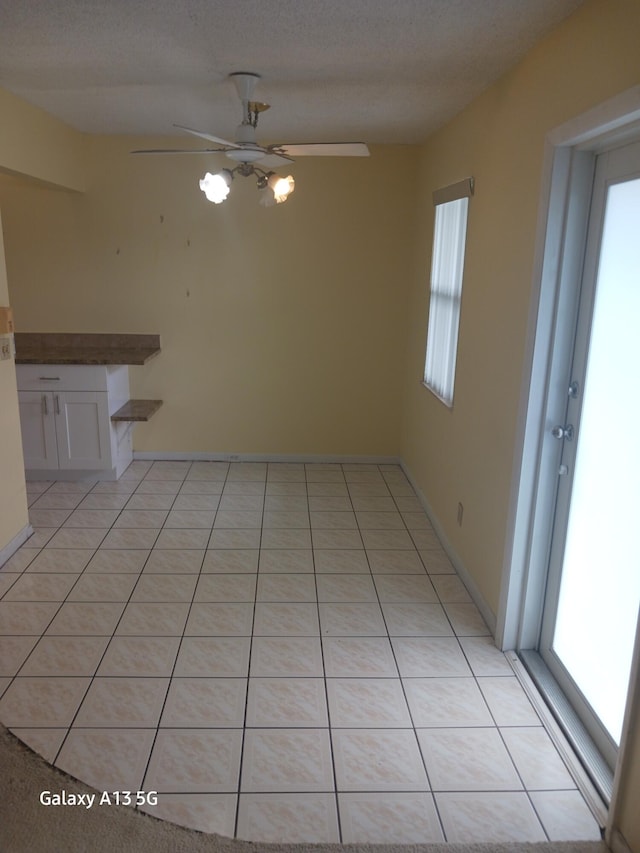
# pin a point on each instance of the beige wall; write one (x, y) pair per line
(34, 148)
(301, 329)
(35, 144)
(282, 328)
(13, 498)
(466, 454)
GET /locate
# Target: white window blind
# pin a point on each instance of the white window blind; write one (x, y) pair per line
(447, 267)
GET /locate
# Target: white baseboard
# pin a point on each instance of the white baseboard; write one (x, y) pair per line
(71, 476)
(487, 614)
(18, 540)
(170, 456)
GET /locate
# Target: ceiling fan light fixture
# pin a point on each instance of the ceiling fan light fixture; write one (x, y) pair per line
(252, 159)
(281, 187)
(216, 187)
(265, 197)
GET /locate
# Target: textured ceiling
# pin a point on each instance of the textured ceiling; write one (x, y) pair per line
(372, 70)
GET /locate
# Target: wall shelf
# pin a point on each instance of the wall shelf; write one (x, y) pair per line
(137, 410)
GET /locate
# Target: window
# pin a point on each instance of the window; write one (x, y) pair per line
(447, 267)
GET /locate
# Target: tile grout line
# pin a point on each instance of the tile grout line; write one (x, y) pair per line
(83, 573)
(404, 694)
(336, 798)
(175, 662)
(115, 628)
(92, 677)
(246, 697)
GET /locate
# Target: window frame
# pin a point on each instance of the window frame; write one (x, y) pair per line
(445, 286)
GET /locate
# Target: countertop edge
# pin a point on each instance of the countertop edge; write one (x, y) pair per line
(85, 349)
(87, 358)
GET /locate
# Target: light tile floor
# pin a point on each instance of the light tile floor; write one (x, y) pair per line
(282, 651)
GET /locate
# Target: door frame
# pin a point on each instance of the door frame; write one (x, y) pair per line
(567, 178)
(569, 163)
(614, 168)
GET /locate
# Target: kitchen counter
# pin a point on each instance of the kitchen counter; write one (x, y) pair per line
(75, 408)
(70, 348)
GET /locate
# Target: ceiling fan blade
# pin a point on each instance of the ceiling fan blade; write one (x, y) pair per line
(273, 161)
(322, 149)
(208, 136)
(182, 150)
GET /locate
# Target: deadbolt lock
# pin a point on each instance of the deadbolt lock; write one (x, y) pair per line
(563, 431)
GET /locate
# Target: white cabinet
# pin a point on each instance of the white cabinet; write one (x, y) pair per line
(65, 417)
(39, 446)
(65, 429)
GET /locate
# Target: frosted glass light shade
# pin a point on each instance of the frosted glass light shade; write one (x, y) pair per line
(281, 187)
(215, 187)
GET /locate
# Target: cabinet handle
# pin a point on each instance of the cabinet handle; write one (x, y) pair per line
(49, 378)
(45, 405)
(57, 399)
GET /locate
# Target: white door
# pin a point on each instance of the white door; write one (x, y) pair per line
(593, 589)
(82, 429)
(38, 430)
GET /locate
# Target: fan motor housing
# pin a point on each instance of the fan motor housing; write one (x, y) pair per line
(246, 154)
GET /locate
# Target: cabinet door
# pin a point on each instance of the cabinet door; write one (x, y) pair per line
(38, 429)
(82, 429)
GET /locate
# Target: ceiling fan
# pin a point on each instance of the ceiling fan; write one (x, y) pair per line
(251, 157)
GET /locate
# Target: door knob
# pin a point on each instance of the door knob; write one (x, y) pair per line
(563, 431)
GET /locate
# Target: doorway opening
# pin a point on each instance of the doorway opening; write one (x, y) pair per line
(570, 601)
(593, 586)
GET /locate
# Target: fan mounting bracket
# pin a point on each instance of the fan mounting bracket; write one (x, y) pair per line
(244, 82)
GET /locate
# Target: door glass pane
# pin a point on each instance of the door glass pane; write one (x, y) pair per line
(600, 586)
